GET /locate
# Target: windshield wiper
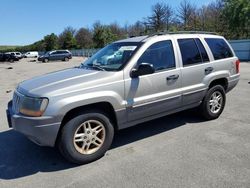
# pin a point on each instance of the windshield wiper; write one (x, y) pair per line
(98, 67)
(93, 67)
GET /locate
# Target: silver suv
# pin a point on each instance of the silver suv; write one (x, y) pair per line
(127, 82)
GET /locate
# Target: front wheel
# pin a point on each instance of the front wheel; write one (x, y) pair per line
(86, 138)
(213, 103)
(46, 60)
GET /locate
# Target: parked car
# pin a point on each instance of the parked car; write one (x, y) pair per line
(32, 54)
(8, 58)
(19, 55)
(79, 109)
(63, 55)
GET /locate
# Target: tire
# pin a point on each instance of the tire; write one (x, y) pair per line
(211, 106)
(46, 60)
(81, 149)
(66, 59)
(11, 60)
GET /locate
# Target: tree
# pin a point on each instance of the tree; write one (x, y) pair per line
(117, 31)
(102, 35)
(160, 18)
(185, 13)
(84, 38)
(237, 15)
(136, 29)
(66, 39)
(50, 42)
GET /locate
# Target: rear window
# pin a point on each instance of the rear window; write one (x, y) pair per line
(219, 48)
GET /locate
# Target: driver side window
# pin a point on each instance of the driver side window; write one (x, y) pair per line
(160, 55)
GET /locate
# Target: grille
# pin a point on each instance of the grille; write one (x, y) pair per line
(16, 102)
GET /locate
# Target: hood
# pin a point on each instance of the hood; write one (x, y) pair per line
(64, 81)
(45, 55)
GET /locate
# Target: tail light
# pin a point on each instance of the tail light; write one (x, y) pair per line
(237, 63)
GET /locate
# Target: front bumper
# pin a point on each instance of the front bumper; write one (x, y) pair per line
(41, 130)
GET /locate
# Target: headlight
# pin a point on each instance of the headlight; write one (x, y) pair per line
(33, 106)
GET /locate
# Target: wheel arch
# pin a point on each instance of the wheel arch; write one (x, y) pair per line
(219, 81)
(104, 107)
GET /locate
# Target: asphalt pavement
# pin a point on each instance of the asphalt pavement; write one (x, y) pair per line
(180, 150)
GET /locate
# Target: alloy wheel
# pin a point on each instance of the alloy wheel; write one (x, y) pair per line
(89, 137)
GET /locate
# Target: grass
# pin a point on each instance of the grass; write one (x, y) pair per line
(7, 48)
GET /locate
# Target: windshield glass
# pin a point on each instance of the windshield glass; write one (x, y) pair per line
(47, 53)
(112, 57)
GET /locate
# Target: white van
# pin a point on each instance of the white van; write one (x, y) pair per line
(31, 54)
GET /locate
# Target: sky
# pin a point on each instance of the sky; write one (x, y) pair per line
(27, 21)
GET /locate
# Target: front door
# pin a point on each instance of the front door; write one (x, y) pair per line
(156, 93)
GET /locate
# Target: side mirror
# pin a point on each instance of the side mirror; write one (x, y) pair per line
(143, 69)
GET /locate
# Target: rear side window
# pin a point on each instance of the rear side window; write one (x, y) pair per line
(160, 55)
(189, 52)
(219, 48)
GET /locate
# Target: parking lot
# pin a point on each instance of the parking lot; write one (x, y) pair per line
(180, 150)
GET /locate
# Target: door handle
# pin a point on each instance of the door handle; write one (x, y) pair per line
(173, 77)
(208, 70)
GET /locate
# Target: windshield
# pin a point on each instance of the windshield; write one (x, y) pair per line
(112, 57)
(47, 53)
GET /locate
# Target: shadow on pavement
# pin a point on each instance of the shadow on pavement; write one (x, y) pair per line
(19, 157)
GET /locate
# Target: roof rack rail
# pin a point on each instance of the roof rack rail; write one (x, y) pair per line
(183, 32)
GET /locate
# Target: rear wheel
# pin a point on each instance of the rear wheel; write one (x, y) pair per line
(66, 59)
(213, 103)
(86, 138)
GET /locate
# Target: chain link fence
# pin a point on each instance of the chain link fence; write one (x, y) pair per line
(84, 52)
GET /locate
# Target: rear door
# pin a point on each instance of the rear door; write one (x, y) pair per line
(195, 67)
(54, 55)
(156, 93)
(223, 55)
(64, 54)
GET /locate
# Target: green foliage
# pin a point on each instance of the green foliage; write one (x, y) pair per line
(37, 46)
(50, 42)
(84, 38)
(103, 36)
(237, 17)
(7, 48)
(66, 39)
(69, 41)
